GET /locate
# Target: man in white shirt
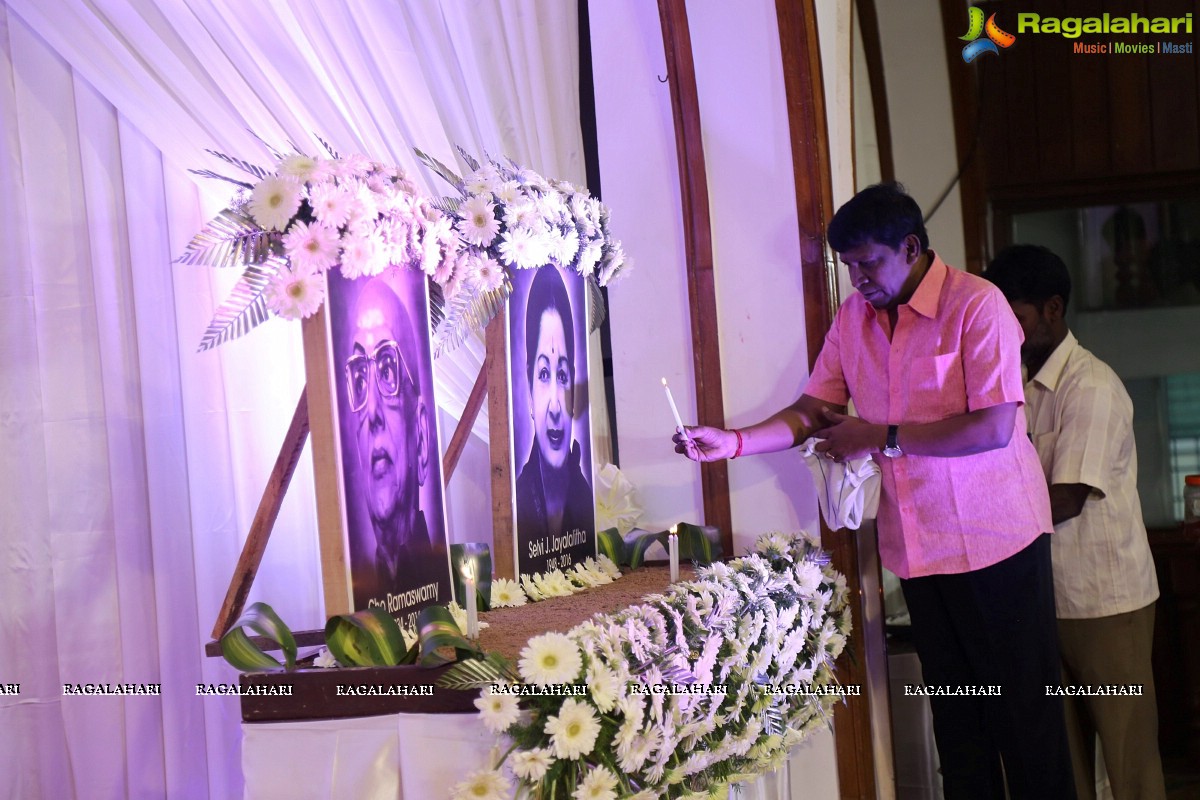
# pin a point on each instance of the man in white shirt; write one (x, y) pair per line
(1081, 422)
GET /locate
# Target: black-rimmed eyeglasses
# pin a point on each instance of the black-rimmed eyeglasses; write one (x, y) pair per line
(391, 373)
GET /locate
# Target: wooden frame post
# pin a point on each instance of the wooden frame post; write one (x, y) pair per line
(805, 93)
(697, 234)
(500, 437)
(264, 519)
(327, 472)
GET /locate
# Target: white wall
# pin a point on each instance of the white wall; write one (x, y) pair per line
(648, 309)
(755, 244)
(920, 116)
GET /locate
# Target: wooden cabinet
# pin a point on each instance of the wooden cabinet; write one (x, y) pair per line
(1177, 643)
(1060, 122)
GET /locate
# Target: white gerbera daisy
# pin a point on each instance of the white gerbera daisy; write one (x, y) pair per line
(527, 177)
(368, 201)
(555, 584)
(497, 711)
(523, 248)
(312, 247)
(487, 274)
(531, 589)
(508, 192)
(482, 181)
(478, 225)
(550, 658)
(330, 204)
(531, 765)
(293, 295)
(484, 784)
(506, 593)
(606, 564)
(304, 168)
(600, 784)
(521, 214)
(602, 684)
(352, 166)
(274, 201)
(573, 732)
(363, 255)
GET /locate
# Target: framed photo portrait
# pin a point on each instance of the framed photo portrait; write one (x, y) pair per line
(551, 421)
(385, 423)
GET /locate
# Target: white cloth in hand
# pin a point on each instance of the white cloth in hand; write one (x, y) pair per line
(847, 492)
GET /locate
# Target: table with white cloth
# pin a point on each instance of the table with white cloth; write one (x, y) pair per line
(405, 753)
(420, 756)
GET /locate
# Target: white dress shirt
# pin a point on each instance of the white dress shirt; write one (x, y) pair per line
(1081, 421)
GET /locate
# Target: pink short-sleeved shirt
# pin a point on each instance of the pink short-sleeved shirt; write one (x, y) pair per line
(956, 348)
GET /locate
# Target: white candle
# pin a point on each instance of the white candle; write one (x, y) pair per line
(673, 553)
(472, 606)
(675, 410)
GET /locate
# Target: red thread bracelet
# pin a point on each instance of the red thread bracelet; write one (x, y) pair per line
(738, 451)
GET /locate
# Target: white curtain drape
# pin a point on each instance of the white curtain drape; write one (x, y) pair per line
(131, 466)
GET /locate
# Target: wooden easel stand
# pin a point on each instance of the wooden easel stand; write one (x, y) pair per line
(272, 499)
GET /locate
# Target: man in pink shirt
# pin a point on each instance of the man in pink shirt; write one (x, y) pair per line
(931, 357)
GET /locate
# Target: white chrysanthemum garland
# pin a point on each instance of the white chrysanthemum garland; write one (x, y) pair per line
(351, 214)
(779, 616)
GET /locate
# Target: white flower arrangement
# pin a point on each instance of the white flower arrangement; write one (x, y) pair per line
(508, 217)
(517, 218)
(755, 640)
(351, 214)
(287, 228)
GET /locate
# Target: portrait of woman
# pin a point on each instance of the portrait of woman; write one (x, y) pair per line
(554, 506)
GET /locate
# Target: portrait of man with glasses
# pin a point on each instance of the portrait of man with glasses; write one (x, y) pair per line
(390, 453)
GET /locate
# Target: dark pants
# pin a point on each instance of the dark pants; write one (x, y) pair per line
(995, 627)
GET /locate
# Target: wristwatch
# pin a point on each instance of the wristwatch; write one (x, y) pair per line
(892, 448)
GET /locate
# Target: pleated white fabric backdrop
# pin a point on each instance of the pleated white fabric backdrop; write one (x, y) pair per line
(130, 465)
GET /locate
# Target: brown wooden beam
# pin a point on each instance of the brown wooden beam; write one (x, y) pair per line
(495, 363)
(805, 95)
(697, 234)
(327, 467)
(264, 519)
(465, 423)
